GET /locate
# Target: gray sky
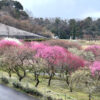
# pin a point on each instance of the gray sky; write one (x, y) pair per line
(63, 8)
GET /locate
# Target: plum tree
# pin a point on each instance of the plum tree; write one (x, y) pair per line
(73, 63)
(55, 56)
(37, 66)
(7, 50)
(95, 69)
(17, 60)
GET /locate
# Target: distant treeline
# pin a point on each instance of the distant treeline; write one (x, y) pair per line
(65, 29)
(13, 14)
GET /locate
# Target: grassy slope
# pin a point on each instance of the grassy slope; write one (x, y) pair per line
(57, 90)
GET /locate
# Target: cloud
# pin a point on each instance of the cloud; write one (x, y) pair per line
(63, 8)
(48, 8)
(45, 2)
(38, 2)
(31, 3)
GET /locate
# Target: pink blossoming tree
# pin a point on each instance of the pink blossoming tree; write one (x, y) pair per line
(95, 68)
(54, 55)
(73, 63)
(6, 43)
(9, 42)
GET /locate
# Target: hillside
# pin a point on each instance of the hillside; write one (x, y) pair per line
(13, 14)
(13, 8)
(8, 31)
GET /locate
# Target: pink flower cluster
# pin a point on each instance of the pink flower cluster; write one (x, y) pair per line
(9, 42)
(95, 67)
(74, 62)
(54, 54)
(57, 55)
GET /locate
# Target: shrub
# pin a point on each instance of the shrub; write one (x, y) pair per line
(17, 85)
(32, 91)
(49, 98)
(5, 80)
(27, 89)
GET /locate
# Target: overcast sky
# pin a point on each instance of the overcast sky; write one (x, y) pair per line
(63, 8)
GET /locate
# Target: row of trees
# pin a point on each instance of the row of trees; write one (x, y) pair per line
(12, 14)
(38, 58)
(73, 28)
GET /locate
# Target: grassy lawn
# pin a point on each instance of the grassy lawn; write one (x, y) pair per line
(58, 88)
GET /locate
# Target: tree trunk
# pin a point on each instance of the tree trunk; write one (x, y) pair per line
(37, 79)
(35, 76)
(67, 80)
(19, 75)
(71, 90)
(50, 78)
(90, 96)
(20, 79)
(9, 73)
(60, 75)
(43, 74)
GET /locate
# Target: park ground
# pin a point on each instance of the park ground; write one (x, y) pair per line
(58, 88)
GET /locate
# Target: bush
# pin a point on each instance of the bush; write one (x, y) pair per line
(27, 89)
(5, 80)
(32, 91)
(49, 98)
(17, 85)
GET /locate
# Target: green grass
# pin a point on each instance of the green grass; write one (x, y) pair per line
(58, 88)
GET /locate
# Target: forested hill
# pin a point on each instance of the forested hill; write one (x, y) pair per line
(13, 8)
(73, 28)
(12, 13)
